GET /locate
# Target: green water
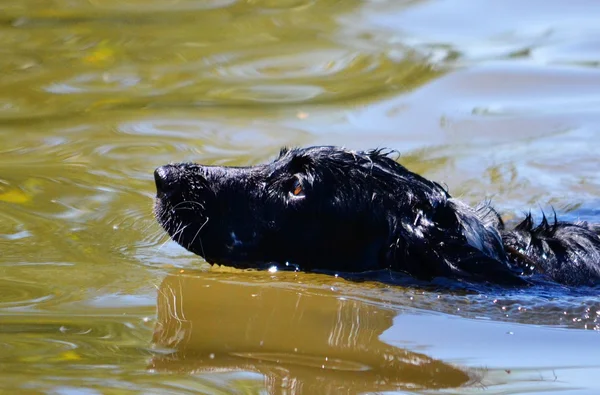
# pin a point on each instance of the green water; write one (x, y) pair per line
(498, 100)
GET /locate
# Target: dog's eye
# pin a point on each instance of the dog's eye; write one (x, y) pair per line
(297, 190)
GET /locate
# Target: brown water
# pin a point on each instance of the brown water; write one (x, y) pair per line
(496, 99)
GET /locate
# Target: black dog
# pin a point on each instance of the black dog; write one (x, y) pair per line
(331, 209)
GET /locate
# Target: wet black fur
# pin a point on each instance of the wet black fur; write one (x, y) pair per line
(360, 211)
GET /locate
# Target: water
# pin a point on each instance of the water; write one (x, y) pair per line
(496, 100)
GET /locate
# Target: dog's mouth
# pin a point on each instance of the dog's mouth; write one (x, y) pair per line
(163, 212)
(182, 219)
(186, 229)
(166, 185)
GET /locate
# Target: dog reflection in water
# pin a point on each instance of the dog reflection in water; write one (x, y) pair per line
(300, 340)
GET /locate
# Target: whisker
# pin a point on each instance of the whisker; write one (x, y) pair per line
(187, 202)
(200, 239)
(163, 244)
(181, 233)
(178, 229)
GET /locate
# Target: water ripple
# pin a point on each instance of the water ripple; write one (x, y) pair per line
(23, 294)
(273, 74)
(96, 82)
(304, 64)
(214, 142)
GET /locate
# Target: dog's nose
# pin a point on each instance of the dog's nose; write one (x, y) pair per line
(166, 179)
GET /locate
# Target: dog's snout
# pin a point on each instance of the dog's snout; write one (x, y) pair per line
(166, 179)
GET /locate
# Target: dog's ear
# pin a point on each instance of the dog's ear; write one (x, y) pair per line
(429, 257)
(451, 241)
(472, 263)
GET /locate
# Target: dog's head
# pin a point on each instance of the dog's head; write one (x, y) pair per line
(322, 208)
(319, 207)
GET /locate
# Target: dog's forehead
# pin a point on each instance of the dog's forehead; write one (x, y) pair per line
(295, 159)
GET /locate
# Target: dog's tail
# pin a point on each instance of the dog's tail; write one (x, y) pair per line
(565, 252)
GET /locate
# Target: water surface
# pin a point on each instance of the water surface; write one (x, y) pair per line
(496, 100)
